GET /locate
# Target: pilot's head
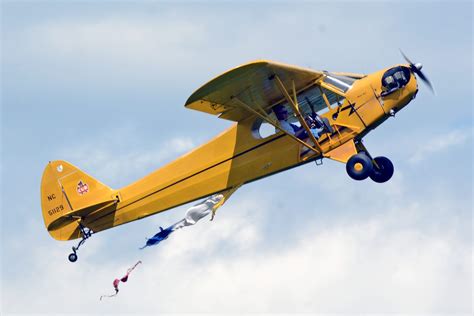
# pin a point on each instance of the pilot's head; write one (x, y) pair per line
(280, 112)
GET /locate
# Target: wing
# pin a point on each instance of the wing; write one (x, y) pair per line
(252, 84)
(349, 74)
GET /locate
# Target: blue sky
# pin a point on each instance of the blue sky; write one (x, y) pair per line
(103, 85)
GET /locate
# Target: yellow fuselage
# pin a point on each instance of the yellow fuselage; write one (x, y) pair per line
(237, 156)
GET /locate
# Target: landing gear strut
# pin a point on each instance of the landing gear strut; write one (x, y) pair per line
(86, 233)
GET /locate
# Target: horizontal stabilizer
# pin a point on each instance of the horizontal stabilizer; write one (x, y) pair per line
(74, 215)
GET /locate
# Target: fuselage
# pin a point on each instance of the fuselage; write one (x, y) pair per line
(240, 155)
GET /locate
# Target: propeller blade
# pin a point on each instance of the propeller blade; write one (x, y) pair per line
(406, 58)
(417, 70)
(425, 80)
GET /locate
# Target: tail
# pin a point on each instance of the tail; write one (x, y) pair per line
(69, 194)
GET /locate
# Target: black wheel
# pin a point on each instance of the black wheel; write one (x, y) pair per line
(359, 166)
(72, 257)
(383, 171)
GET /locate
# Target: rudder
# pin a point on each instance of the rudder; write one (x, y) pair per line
(66, 193)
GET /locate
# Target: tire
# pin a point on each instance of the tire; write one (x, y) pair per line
(384, 171)
(359, 166)
(72, 257)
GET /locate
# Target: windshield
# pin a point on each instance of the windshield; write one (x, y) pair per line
(342, 83)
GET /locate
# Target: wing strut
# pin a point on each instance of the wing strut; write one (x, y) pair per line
(294, 105)
(276, 125)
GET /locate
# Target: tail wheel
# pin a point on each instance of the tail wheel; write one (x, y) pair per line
(72, 257)
(383, 171)
(359, 166)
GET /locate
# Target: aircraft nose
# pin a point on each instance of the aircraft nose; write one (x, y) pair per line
(416, 68)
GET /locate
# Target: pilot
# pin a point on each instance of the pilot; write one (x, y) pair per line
(282, 116)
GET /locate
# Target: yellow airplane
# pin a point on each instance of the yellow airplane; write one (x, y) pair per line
(285, 116)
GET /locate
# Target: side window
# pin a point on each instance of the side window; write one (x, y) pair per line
(319, 99)
(315, 98)
(334, 99)
(261, 129)
(265, 130)
(311, 98)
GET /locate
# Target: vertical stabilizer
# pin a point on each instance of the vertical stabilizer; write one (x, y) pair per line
(68, 193)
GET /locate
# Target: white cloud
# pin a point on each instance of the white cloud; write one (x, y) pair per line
(384, 264)
(114, 167)
(115, 38)
(439, 143)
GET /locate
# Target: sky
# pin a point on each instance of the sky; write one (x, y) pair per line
(103, 86)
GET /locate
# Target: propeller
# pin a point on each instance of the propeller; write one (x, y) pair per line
(416, 68)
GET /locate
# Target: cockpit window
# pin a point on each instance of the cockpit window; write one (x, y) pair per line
(395, 78)
(342, 83)
(316, 98)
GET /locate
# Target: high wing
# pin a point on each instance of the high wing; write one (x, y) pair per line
(349, 74)
(253, 84)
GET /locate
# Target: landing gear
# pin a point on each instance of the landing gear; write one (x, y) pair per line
(86, 233)
(359, 166)
(383, 170)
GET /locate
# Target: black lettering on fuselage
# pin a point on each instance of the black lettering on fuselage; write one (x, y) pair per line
(55, 210)
(51, 197)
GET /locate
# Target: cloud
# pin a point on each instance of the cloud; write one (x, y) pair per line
(116, 38)
(382, 264)
(103, 160)
(440, 143)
